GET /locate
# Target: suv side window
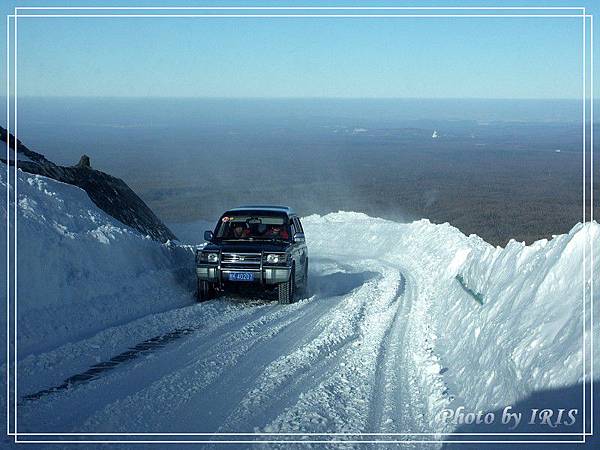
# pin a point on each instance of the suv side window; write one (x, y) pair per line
(296, 224)
(299, 225)
(293, 227)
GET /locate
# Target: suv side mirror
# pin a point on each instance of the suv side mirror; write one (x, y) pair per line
(208, 236)
(299, 237)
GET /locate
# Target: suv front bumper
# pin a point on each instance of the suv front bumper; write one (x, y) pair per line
(265, 275)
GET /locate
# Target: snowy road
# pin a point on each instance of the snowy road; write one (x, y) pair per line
(332, 361)
(402, 322)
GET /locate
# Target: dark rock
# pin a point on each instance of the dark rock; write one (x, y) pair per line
(84, 162)
(109, 193)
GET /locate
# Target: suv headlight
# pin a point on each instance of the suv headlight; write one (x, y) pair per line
(209, 257)
(274, 259)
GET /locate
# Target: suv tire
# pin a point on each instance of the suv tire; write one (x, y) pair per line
(287, 291)
(205, 291)
(304, 290)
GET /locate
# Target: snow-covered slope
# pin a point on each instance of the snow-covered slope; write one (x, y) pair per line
(401, 321)
(80, 270)
(526, 336)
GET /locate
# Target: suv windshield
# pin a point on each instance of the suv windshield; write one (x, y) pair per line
(252, 227)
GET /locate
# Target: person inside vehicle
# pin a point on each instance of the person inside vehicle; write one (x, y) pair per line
(239, 232)
(283, 234)
(261, 229)
(277, 232)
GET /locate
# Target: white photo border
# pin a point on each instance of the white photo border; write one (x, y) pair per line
(485, 12)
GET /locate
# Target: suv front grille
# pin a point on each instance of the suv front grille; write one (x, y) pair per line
(240, 260)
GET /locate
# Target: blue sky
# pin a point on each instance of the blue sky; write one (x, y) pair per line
(308, 57)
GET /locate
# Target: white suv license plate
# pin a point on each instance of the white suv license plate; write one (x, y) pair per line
(241, 276)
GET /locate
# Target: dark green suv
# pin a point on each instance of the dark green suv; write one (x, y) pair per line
(254, 245)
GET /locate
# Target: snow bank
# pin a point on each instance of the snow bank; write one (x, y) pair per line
(80, 270)
(527, 334)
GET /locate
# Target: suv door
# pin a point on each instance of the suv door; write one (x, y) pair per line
(301, 249)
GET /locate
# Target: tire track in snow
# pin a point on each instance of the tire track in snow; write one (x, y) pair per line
(209, 362)
(41, 371)
(395, 416)
(332, 373)
(97, 370)
(143, 348)
(341, 401)
(314, 359)
(107, 389)
(411, 391)
(386, 365)
(396, 407)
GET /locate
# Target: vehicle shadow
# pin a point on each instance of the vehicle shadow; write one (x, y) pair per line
(249, 296)
(337, 283)
(552, 399)
(331, 285)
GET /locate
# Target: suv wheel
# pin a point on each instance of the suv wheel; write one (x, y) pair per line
(287, 290)
(205, 291)
(304, 290)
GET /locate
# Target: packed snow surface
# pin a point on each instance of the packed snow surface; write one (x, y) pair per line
(386, 339)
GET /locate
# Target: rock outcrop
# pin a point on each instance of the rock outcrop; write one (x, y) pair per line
(84, 162)
(109, 193)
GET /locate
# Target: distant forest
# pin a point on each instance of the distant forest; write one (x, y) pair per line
(499, 191)
(502, 170)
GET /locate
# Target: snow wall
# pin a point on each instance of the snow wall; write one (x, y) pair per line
(81, 271)
(527, 334)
